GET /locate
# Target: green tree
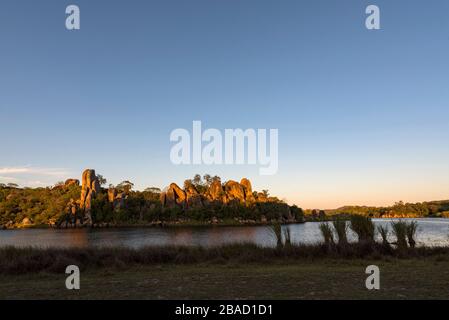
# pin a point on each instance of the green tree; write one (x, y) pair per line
(125, 186)
(153, 190)
(101, 180)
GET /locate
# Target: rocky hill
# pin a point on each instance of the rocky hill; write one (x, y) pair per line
(69, 205)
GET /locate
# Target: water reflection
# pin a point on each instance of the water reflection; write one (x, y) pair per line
(431, 232)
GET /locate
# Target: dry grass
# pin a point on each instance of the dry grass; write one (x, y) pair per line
(305, 279)
(29, 260)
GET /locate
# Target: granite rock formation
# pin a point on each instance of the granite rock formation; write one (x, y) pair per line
(234, 191)
(116, 198)
(230, 192)
(193, 197)
(89, 188)
(71, 182)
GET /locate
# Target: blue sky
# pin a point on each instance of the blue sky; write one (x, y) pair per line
(362, 115)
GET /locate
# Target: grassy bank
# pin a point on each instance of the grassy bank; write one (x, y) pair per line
(301, 279)
(31, 260)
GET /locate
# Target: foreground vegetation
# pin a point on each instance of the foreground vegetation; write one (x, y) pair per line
(333, 269)
(308, 279)
(32, 260)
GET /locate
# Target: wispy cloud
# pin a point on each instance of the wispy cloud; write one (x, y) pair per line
(57, 172)
(8, 178)
(13, 170)
(33, 176)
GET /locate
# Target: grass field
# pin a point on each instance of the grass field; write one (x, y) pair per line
(308, 279)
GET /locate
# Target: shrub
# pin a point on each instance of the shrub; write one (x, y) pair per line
(287, 237)
(383, 231)
(276, 231)
(411, 233)
(327, 233)
(340, 228)
(363, 227)
(400, 232)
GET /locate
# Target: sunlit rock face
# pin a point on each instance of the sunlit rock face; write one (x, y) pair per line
(247, 188)
(190, 197)
(215, 192)
(261, 197)
(89, 188)
(174, 196)
(71, 182)
(193, 197)
(234, 191)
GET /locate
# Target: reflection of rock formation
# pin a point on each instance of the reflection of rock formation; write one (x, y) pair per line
(89, 188)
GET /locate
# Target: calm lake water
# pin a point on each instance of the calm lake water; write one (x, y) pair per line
(431, 232)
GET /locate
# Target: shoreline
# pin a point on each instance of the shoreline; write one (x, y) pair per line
(160, 224)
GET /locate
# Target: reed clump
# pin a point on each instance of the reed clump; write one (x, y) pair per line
(363, 227)
(412, 229)
(327, 233)
(282, 236)
(405, 233)
(341, 228)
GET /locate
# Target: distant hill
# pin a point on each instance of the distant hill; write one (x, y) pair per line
(439, 208)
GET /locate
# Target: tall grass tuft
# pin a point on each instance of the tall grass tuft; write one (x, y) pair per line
(327, 233)
(341, 228)
(276, 231)
(363, 227)
(383, 231)
(412, 227)
(400, 232)
(287, 237)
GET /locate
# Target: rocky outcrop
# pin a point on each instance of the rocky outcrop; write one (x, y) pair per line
(193, 197)
(179, 194)
(26, 222)
(215, 192)
(72, 216)
(71, 182)
(248, 189)
(89, 188)
(261, 197)
(230, 192)
(116, 198)
(174, 196)
(234, 191)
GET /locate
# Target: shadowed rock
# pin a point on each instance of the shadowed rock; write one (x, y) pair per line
(193, 197)
(117, 199)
